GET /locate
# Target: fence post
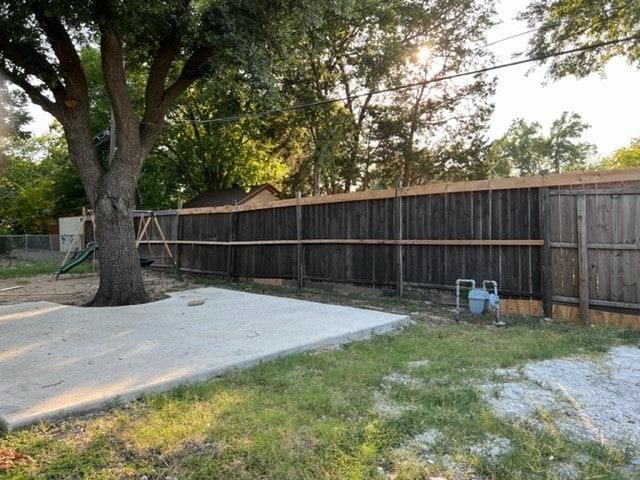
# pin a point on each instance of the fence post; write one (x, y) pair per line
(583, 257)
(398, 235)
(230, 249)
(299, 250)
(546, 282)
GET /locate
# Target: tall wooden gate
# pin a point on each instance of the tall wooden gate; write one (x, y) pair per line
(594, 239)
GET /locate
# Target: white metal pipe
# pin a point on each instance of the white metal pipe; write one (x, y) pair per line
(494, 302)
(458, 282)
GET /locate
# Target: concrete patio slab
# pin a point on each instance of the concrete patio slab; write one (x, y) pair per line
(58, 360)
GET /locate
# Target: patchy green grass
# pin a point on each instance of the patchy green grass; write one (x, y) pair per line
(16, 269)
(23, 268)
(355, 412)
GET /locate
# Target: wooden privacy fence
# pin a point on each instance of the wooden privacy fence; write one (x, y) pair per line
(568, 239)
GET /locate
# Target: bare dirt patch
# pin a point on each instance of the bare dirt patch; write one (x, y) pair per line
(78, 289)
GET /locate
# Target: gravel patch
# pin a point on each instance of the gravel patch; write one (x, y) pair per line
(388, 408)
(492, 447)
(401, 379)
(591, 399)
(586, 398)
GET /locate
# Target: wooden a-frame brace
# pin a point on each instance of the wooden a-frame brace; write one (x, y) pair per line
(146, 216)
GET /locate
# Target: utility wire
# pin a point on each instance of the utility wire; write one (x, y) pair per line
(329, 101)
(510, 37)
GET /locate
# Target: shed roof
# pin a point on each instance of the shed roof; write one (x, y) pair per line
(231, 196)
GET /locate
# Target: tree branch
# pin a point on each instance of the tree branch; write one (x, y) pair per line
(159, 71)
(157, 98)
(34, 94)
(115, 80)
(191, 72)
(66, 81)
(33, 64)
(75, 92)
(154, 92)
(24, 57)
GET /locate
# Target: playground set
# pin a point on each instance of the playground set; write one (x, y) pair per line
(76, 256)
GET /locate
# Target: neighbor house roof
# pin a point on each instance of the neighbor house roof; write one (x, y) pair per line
(234, 196)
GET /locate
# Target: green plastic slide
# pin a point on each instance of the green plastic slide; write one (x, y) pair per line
(80, 257)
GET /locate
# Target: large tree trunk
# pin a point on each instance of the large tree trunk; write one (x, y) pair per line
(112, 196)
(120, 273)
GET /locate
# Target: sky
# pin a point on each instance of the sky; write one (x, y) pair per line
(610, 105)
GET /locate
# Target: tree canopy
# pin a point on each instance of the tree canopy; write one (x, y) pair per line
(13, 120)
(524, 149)
(200, 151)
(624, 157)
(397, 116)
(14, 117)
(31, 191)
(580, 24)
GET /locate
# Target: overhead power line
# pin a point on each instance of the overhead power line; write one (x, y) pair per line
(454, 76)
(510, 37)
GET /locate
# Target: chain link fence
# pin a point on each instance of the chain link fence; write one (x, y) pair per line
(38, 247)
